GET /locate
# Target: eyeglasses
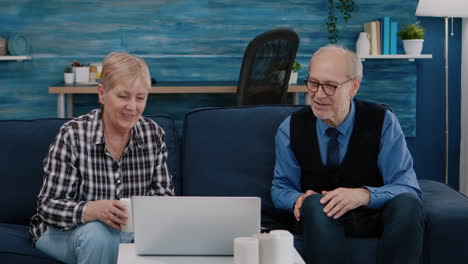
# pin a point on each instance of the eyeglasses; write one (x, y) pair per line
(328, 89)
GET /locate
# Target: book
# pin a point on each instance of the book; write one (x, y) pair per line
(371, 29)
(393, 37)
(386, 35)
(378, 37)
(381, 34)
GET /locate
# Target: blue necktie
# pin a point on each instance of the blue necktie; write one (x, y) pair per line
(333, 151)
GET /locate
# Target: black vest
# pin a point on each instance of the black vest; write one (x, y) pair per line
(359, 166)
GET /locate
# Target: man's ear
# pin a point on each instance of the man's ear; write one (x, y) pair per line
(101, 93)
(356, 83)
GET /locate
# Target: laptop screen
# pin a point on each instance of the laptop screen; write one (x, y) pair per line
(166, 225)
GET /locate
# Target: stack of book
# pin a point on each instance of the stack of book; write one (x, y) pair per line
(383, 36)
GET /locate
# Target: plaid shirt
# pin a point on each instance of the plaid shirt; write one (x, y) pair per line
(79, 168)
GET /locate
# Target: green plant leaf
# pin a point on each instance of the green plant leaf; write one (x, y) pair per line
(412, 31)
(345, 7)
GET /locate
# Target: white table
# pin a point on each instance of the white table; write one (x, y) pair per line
(127, 255)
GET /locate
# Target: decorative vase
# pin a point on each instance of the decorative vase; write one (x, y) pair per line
(413, 46)
(363, 44)
(293, 78)
(68, 77)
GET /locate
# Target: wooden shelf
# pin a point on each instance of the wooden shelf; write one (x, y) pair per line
(16, 58)
(163, 88)
(65, 105)
(397, 57)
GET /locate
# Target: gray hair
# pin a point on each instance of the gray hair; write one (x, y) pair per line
(354, 62)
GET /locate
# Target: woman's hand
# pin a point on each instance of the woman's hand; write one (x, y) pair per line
(110, 212)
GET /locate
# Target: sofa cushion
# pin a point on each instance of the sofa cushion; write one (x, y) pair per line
(446, 212)
(24, 145)
(173, 147)
(230, 151)
(15, 246)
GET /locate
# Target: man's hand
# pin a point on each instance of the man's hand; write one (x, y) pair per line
(298, 203)
(110, 212)
(342, 200)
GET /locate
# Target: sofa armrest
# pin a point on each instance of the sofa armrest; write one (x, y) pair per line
(446, 231)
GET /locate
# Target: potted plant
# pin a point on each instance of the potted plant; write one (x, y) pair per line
(295, 68)
(68, 75)
(413, 38)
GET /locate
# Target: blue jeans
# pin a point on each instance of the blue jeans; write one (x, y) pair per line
(93, 242)
(401, 240)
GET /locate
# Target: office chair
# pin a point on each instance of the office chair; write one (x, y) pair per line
(266, 68)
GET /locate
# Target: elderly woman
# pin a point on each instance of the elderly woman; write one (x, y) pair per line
(95, 160)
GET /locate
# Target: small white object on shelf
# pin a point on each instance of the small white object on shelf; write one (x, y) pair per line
(363, 44)
(413, 46)
(293, 77)
(16, 58)
(81, 74)
(397, 56)
(69, 78)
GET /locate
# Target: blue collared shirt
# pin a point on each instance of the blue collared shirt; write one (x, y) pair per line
(395, 162)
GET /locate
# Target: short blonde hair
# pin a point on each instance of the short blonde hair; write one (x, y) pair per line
(121, 67)
(354, 62)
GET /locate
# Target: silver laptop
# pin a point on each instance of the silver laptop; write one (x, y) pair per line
(192, 225)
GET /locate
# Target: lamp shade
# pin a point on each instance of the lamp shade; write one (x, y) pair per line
(442, 8)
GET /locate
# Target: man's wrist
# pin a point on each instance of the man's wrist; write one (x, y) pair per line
(367, 196)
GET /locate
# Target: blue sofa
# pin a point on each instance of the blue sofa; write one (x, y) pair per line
(222, 152)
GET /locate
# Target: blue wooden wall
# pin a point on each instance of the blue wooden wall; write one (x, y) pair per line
(205, 40)
(181, 40)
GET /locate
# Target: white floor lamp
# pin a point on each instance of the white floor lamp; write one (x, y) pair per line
(446, 9)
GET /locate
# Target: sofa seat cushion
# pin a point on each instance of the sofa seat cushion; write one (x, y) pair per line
(446, 212)
(16, 247)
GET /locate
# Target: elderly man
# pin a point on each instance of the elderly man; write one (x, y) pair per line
(344, 170)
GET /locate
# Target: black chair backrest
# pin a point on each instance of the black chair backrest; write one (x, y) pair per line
(266, 68)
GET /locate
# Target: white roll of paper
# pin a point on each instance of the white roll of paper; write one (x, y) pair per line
(128, 205)
(246, 250)
(276, 247)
